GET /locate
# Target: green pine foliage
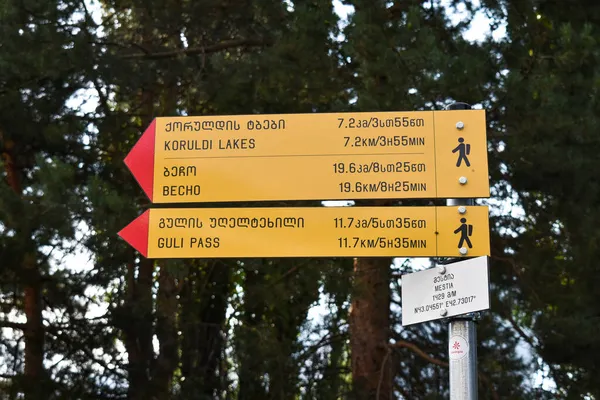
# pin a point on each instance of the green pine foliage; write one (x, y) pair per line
(243, 329)
(45, 165)
(548, 123)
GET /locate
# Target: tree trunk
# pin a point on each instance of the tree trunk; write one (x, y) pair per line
(250, 353)
(140, 383)
(32, 296)
(166, 332)
(212, 321)
(203, 312)
(138, 329)
(370, 329)
(34, 331)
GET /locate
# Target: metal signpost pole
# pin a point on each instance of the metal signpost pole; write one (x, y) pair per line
(462, 340)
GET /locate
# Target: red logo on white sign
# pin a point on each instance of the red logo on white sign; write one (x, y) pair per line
(458, 347)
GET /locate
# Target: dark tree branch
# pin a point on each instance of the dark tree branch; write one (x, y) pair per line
(382, 372)
(227, 44)
(415, 349)
(12, 325)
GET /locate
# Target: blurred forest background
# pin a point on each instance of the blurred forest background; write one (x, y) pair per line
(80, 81)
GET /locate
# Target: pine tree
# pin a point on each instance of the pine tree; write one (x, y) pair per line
(202, 59)
(547, 119)
(41, 190)
(407, 56)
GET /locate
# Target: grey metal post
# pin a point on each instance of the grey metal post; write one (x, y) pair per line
(461, 331)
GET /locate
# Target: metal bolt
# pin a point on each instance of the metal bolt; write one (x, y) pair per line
(462, 180)
(443, 312)
(463, 251)
(441, 270)
(462, 209)
(460, 125)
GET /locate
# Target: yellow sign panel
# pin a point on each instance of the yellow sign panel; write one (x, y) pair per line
(311, 232)
(425, 154)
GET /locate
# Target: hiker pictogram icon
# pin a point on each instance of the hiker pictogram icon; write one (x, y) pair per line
(463, 150)
(465, 230)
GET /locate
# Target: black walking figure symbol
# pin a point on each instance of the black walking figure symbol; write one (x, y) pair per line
(463, 151)
(465, 231)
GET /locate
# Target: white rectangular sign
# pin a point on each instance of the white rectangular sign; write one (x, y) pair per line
(445, 291)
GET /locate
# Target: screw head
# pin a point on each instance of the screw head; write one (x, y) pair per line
(463, 251)
(462, 180)
(462, 209)
(443, 312)
(460, 125)
(441, 270)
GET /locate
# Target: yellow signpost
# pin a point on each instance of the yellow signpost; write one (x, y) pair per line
(424, 154)
(311, 232)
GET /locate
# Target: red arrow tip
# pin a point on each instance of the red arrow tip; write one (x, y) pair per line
(140, 160)
(136, 233)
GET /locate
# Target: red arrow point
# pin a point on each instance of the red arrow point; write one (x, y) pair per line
(140, 160)
(136, 233)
